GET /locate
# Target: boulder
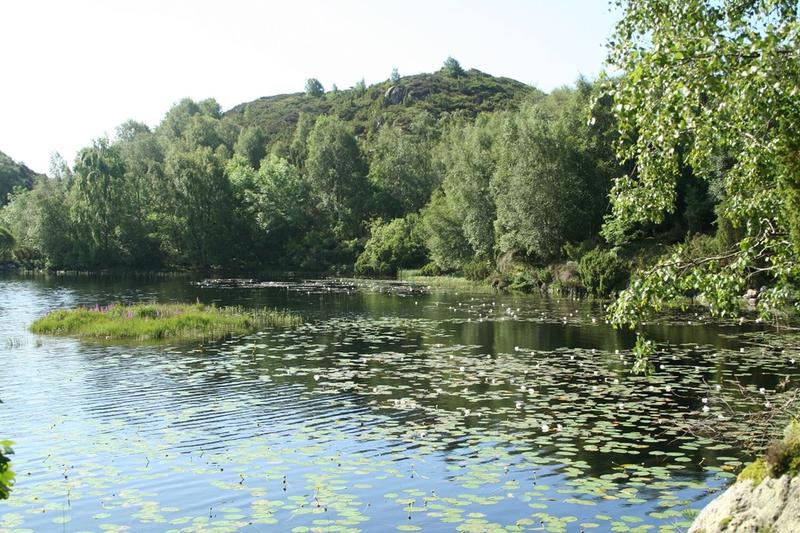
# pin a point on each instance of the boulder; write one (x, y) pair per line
(395, 94)
(773, 505)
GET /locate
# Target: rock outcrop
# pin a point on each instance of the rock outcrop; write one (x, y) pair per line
(395, 94)
(773, 505)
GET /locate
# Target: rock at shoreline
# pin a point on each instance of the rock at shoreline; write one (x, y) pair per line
(773, 505)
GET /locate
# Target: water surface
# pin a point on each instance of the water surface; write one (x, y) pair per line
(392, 408)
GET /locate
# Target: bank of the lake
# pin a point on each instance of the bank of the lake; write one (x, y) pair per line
(766, 495)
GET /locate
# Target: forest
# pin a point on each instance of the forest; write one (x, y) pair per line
(460, 172)
(455, 171)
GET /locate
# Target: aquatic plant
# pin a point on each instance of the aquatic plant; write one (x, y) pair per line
(6, 474)
(160, 321)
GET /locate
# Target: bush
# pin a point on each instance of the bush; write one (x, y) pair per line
(28, 257)
(783, 456)
(431, 269)
(477, 270)
(602, 272)
(575, 250)
(6, 240)
(529, 279)
(566, 278)
(700, 246)
(391, 246)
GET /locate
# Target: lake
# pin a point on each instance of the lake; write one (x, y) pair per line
(394, 407)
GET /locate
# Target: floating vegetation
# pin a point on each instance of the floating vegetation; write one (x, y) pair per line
(318, 286)
(160, 321)
(388, 412)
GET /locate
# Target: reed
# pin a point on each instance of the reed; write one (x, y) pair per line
(160, 321)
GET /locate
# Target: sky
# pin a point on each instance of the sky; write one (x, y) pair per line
(74, 70)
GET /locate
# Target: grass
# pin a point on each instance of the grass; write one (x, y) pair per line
(159, 321)
(782, 457)
(445, 282)
(755, 472)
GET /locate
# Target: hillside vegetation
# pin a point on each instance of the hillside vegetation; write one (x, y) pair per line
(13, 174)
(366, 109)
(451, 172)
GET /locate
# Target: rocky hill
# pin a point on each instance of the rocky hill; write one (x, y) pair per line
(421, 96)
(13, 174)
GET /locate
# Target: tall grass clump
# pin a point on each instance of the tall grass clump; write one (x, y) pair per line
(444, 282)
(160, 321)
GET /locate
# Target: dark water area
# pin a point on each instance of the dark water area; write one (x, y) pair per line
(393, 408)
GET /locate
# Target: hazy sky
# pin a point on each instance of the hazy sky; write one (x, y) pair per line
(74, 70)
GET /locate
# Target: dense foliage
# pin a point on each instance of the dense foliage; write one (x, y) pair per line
(309, 190)
(602, 272)
(12, 175)
(392, 245)
(458, 171)
(710, 86)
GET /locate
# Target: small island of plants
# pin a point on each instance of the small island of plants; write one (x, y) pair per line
(160, 321)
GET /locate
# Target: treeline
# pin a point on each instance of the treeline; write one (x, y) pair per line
(490, 195)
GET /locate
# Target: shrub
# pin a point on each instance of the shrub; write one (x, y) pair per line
(29, 257)
(6, 240)
(431, 269)
(566, 278)
(391, 246)
(477, 270)
(755, 472)
(602, 272)
(783, 456)
(529, 279)
(575, 250)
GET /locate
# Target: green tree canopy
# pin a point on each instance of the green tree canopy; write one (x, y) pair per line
(551, 183)
(252, 145)
(402, 171)
(467, 156)
(314, 87)
(452, 68)
(201, 207)
(443, 234)
(392, 245)
(99, 202)
(703, 79)
(337, 174)
(276, 200)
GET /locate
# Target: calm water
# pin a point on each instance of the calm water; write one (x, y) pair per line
(390, 409)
